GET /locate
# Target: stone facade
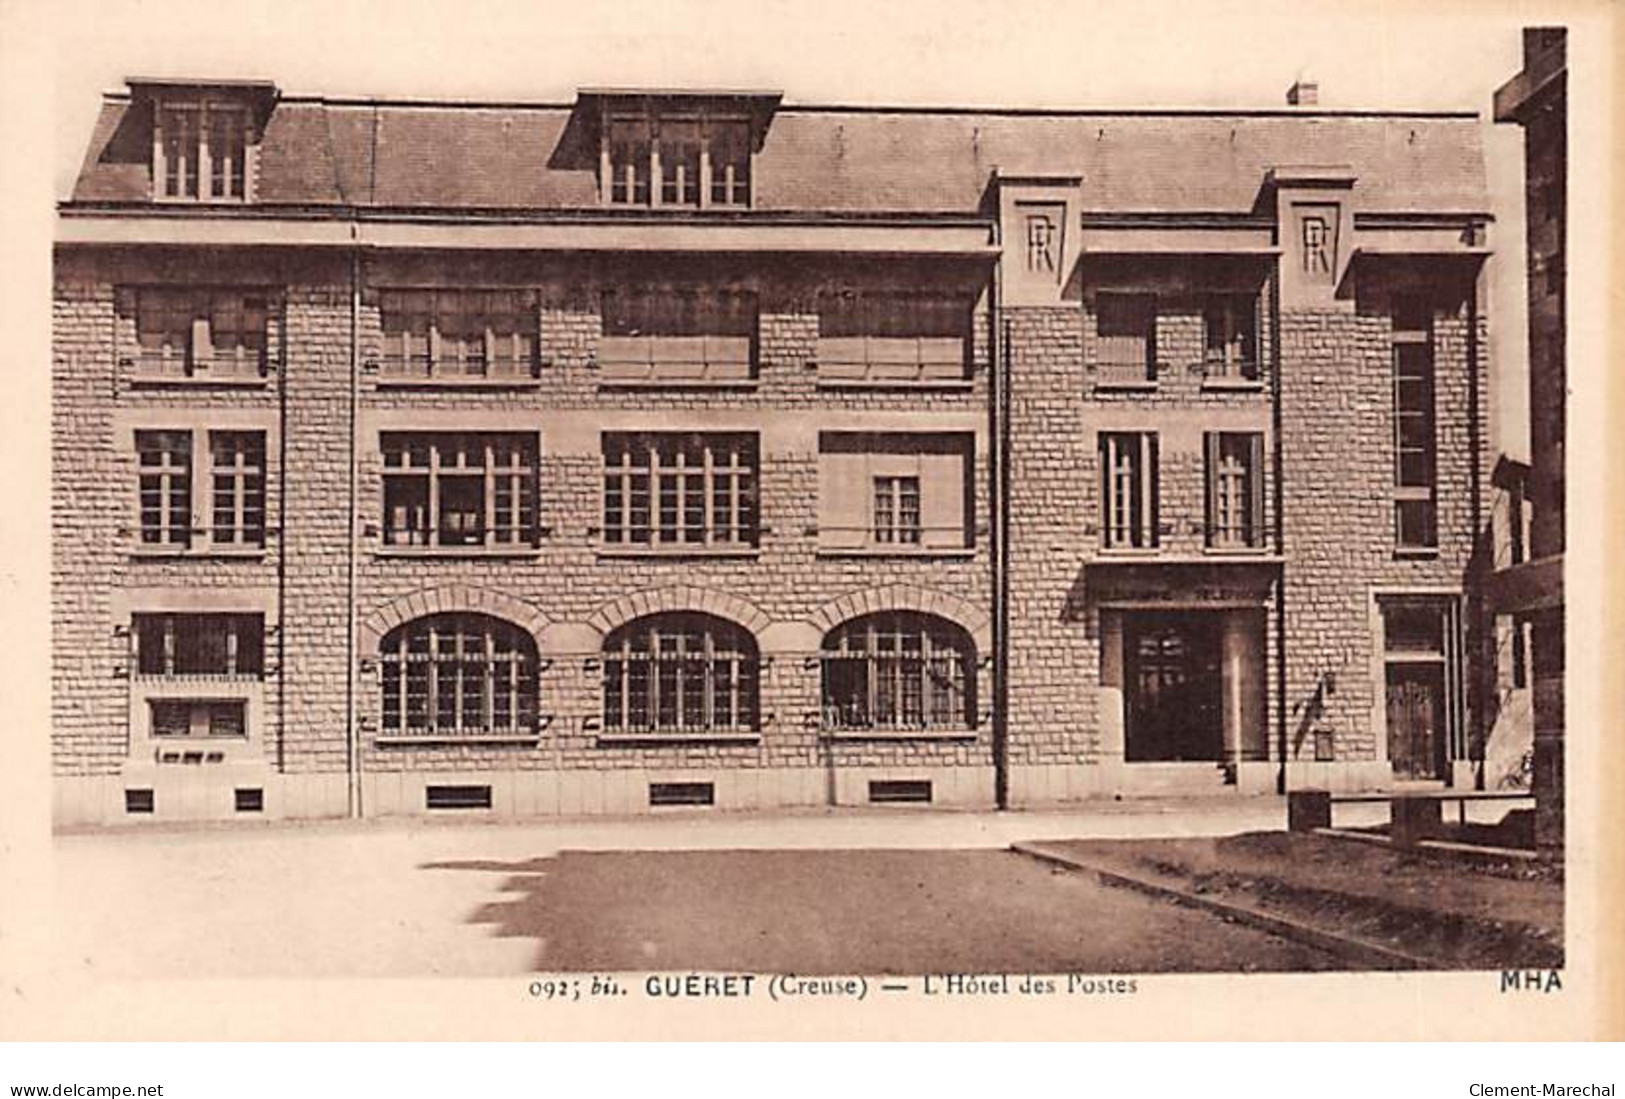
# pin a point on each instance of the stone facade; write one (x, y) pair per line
(1289, 627)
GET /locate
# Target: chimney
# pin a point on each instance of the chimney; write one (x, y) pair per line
(1303, 93)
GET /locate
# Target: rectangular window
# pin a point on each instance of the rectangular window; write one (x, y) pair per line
(682, 161)
(1415, 440)
(680, 491)
(728, 142)
(237, 466)
(677, 335)
(188, 718)
(210, 644)
(1230, 338)
(458, 335)
(192, 333)
(1126, 339)
(456, 491)
(1235, 490)
(897, 511)
(630, 152)
(1128, 490)
(165, 459)
(893, 337)
(201, 152)
(895, 492)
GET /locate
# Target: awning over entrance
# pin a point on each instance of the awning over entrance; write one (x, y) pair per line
(1179, 581)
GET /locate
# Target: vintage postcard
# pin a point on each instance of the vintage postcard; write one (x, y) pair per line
(814, 521)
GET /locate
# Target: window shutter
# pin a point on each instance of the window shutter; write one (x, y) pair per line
(942, 499)
(844, 499)
(1212, 451)
(1255, 487)
(1153, 489)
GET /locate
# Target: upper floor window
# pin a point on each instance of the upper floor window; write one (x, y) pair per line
(894, 493)
(679, 491)
(1128, 489)
(233, 467)
(1125, 339)
(678, 160)
(1415, 434)
(212, 644)
(201, 151)
(460, 490)
(189, 333)
(1230, 338)
(886, 337)
(677, 334)
(1235, 490)
(457, 335)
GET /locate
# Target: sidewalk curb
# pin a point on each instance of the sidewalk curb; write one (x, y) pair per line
(1367, 954)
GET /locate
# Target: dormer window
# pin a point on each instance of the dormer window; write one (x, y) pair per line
(677, 161)
(204, 136)
(200, 152)
(677, 150)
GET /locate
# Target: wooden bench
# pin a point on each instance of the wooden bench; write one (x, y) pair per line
(1413, 814)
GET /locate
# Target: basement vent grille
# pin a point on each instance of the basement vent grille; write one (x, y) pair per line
(138, 801)
(457, 797)
(682, 793)
(897, 790)
(250, 799)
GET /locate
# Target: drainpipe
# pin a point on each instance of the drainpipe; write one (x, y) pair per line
(999, 340)
(1279, 450)
(351, 646)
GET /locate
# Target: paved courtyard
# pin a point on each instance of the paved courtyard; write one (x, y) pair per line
(815, 893)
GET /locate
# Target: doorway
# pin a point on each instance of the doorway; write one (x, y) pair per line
(1416, 721)
(1173, 688)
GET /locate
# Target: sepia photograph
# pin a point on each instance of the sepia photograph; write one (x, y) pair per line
(758, 510)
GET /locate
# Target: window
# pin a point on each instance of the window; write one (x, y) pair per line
(676, 335)
(201, 334)
(695, 160)
(680, 491)
(458, 675)
(680, 675)
(460, 491)
(209, 644)
(899, 672)
(1415, 453)
(1230, 338)
(1235, 490)
(1128, 490)
(895, 492)
(458, 335)
(233, 461)
(191, 718)
(897, 510)
(165, 459)
(237, 465)
(200, 152)
(1126, 339)
(893, 337)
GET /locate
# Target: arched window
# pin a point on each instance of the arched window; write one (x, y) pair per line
(899, 671)
(458, 675)
(680, 674)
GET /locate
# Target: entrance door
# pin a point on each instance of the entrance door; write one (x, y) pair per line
(1416, 721)
(1173, 688)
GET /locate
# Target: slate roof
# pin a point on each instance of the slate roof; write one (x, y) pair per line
(826, 159)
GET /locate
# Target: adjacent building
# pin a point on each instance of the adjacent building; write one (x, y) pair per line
(677, 447)
(1530, 589)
